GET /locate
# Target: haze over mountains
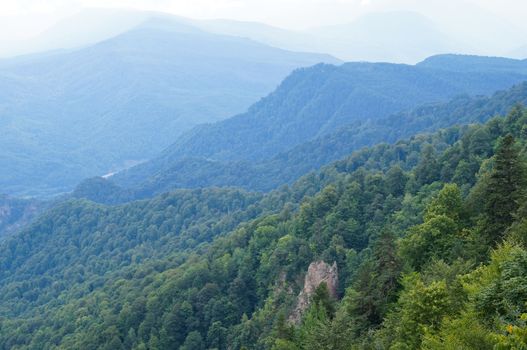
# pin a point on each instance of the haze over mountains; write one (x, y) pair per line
(388, 36)
(90, 111)
(109, 98)
(316, 101)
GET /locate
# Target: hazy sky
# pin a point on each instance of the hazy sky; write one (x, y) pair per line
(19, 18)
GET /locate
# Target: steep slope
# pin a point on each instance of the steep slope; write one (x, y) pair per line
(317, 101)
(136, 276)
(66, 116)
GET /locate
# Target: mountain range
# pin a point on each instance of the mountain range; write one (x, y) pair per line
(319, 114)
(356, 206)
(73, 114)
(162, 174)
(387, 36)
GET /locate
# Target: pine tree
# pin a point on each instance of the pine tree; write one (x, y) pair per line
(375, 284)
(283, 329)
(388, 269)
(503, 190)
(322, 299)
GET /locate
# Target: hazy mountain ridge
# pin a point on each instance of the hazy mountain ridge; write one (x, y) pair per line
(399, 37)
(124, 99)
(471, 63)
(317, 101)
(387, 36)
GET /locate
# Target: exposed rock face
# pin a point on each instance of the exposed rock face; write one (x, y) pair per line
(317, 273)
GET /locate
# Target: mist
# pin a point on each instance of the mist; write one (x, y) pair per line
(400, 31)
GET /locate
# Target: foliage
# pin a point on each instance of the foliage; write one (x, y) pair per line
(222, 268)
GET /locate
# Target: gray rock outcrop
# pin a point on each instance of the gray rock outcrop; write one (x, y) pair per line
(317, 273)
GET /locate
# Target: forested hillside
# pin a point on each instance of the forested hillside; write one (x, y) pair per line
(315, 101)
(67, 115)
(288, 166)
(428, 236)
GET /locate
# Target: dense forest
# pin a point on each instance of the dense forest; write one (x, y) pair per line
(428, 235)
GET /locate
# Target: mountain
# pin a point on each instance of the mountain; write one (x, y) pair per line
(71, 115)
(470, 63)
(372, 35)
(362, 39)
(81, 29)
(286, 167)
(520, 52)
(378, 36)
(422, 237)
(295, 40)
(315, 101)
(310, 104)
(404, 37)
(93, 25)
(392, 36)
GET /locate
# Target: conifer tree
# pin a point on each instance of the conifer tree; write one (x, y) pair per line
(503, 190)
(322, 299)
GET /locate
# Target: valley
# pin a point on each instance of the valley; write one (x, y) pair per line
(217, 183)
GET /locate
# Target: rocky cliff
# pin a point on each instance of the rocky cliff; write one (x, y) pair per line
(318, 272)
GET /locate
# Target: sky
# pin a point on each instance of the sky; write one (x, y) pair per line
(22, 18)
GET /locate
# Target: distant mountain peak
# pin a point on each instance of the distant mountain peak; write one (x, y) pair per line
(460, 62)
